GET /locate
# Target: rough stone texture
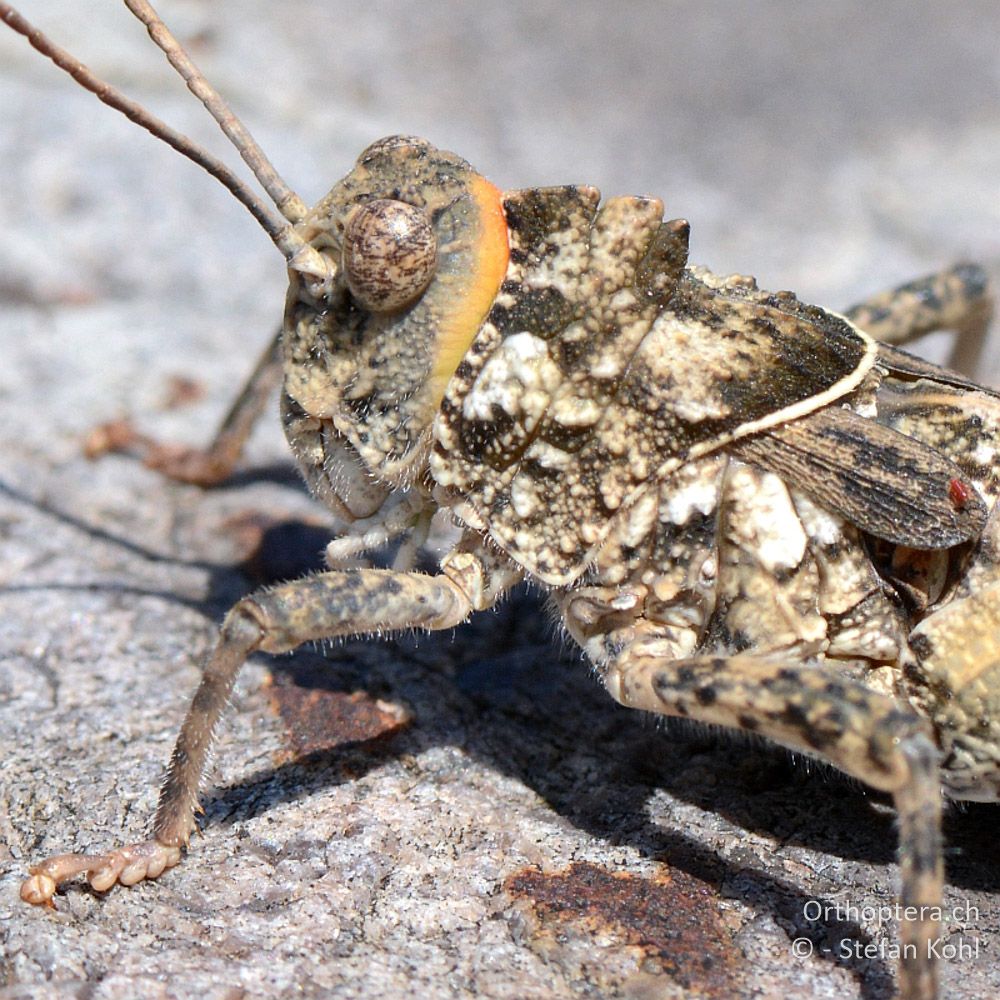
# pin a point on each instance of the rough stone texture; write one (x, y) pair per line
(830, 148)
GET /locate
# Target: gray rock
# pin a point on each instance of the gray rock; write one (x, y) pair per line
(831, 148)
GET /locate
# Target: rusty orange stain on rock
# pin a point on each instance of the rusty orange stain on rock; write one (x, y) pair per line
(318, 719)
(671, 923)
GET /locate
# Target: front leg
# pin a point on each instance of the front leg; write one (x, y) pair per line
(275, 620)
(812, 709)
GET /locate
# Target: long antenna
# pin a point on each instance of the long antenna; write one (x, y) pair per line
(299, 254)
(285, 199)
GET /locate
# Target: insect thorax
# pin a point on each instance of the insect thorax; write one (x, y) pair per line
(561, 354)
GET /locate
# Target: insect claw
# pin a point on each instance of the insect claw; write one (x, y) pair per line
(39, 890)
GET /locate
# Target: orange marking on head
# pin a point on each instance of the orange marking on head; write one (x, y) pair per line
(473, 296)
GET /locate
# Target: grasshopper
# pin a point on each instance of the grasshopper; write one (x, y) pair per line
(748, 511)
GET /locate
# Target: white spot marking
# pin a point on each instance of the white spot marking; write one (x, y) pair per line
(519, 380)
(701, 496)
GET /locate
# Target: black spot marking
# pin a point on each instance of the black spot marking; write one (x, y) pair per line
(706, 695)
(975, 282)
(794, 715)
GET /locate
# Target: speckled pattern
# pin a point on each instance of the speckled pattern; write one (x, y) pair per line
(375, 871)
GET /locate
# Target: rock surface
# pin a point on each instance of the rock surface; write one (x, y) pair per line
(522, 836)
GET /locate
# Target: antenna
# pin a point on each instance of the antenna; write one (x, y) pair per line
(298, 253)
(285, 199)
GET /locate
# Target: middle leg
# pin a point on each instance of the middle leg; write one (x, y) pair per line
(958, 299)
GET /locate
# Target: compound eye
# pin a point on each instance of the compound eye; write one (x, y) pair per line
(390, 254)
